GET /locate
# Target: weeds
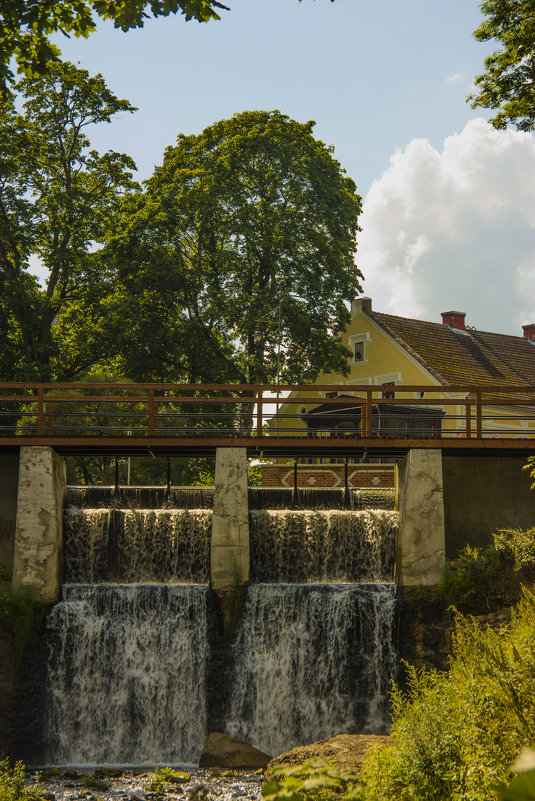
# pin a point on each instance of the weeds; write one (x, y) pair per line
(13, 784)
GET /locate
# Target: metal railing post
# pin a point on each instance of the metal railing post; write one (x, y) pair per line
(479, 418)
(40, 411)
(259, 404)
(153, 414)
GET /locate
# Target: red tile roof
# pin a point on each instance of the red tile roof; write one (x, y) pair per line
(463, 357)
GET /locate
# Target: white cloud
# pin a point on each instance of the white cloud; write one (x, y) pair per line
(455, 230)
(450, 80)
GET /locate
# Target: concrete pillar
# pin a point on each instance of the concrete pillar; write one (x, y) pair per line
(229, 551)
(420, 550)
(9, 478)
(38, 558)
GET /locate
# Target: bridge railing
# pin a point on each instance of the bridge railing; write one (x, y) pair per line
(67, 410)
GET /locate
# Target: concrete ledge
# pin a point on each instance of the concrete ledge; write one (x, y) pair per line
(38, 557)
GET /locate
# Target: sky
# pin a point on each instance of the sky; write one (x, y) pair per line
(448, 216)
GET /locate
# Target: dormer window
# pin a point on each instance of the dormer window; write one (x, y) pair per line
(358, 344)
(359, 353)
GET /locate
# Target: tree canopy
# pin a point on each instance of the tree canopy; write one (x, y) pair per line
(508, 83)
(236, 260)
(27, 25)
(57, 198)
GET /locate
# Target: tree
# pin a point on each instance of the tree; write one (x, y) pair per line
(27, 24)
(57, 197)
(508, 83)
(240, 254)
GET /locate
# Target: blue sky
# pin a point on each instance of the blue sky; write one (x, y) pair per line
(386, 82)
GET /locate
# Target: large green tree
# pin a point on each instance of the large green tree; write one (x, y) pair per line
(508, 83)
(236, 261)
(57, 197)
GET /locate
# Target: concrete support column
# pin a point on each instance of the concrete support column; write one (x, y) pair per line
(38, 557)
(229, 550)
(9, 478)
(420, 550)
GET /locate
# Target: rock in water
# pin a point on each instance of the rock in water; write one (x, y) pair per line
(224, 751)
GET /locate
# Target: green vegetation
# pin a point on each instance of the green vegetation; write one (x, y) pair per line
(18, 612)
(164, 776)
(483, 579)
(507, 84)
(93, 782)
(314, 779)
(13, 783)
(455, 734)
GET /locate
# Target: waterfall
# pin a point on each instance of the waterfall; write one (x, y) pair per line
(127, 668)
(137, 545)
(309, 662)
(94, 497)
(138, 668)
(319, 546)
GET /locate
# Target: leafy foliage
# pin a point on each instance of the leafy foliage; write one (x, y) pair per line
(13, 785)
(314, 779)
(28, 24)
(93, 782)
(508, 83)
(235, 262)
(57, 196)
(455, 734)
(492, 574)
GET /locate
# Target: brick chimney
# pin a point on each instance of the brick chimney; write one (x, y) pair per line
(455, 319)
(529, 331)
(363, 304)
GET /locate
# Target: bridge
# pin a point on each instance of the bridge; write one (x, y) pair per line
(328, 420)
(444, 501)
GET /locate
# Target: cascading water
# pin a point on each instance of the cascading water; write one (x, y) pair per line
(313, 546)
(133, 545)
(139, 670)
(128, 675)
(309, 662)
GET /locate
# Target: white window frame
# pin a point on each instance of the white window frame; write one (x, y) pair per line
(352, 340)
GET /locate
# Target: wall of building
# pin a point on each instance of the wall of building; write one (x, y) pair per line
(483, 494)
(9, 476)
(329, 476)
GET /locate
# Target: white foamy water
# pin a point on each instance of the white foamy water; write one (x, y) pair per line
(322, 546)
(127, 675)
(309, 662)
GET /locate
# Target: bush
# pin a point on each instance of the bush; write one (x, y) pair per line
(455, 734)
(13, 786)
(313, 780)
(489, 577)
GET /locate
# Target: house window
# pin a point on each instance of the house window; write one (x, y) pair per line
(357, 344)
(359, 353)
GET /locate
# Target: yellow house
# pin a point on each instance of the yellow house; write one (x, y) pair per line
(387, 350)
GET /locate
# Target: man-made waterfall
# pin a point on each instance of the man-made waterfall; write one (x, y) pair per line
(137, 545)
(309, 662)
(301, 546)
(127, 675)
(139, 670)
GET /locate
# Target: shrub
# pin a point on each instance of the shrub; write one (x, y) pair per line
(17, 614)
(13, 785)
(455, 734)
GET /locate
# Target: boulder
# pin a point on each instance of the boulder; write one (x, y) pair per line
(344, 752)
(223, 751)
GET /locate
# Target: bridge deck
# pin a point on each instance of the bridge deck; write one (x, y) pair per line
(298, 420)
